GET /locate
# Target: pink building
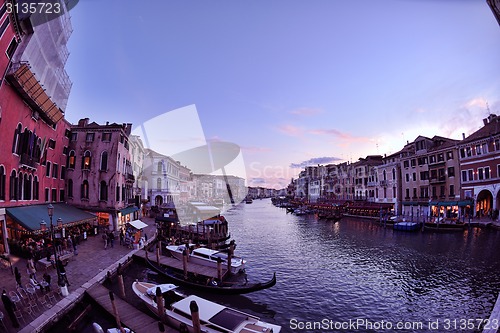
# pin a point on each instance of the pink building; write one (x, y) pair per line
(99, 172)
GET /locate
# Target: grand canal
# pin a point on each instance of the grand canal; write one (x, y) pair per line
(356, 270)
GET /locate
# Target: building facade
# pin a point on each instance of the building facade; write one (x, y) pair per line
(99, 172)
(33, 96)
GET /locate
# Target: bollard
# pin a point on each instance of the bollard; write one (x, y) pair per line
(185, 263)
(195, 316)
(161, 328)
(160, 304)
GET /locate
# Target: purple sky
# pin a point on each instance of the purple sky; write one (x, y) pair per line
(291, 82)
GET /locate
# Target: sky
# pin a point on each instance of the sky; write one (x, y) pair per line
(292, 83)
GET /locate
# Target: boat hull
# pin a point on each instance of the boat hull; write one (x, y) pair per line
(237, 263)
(407, 226)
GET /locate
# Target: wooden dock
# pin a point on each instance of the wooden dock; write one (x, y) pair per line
(210, 272)
(129, 315)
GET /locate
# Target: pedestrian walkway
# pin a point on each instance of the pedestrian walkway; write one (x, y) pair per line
(83, 270)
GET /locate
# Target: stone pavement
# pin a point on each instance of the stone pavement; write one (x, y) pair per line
(89, 266)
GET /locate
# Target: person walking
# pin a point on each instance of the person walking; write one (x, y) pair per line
(62, 273)
(105, 238)
(17, 274)
(30, 267)
(10, 307)
(122, 237)
(111, 239)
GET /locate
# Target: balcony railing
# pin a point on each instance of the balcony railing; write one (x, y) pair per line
(28, 161)
(440, 179)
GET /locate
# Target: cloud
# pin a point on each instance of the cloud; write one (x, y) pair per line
(291, 130)
(347, 138)
(315, 161)
(271, 182)
(250, 149)
(306, 111)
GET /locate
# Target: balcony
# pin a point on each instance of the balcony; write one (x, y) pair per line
(24, 81)
(436, 180)
(383, 183)
(27, 161)
(129, 177)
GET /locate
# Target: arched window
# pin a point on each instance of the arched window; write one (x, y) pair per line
(71, 159)
(17, 139)
(118, 164)
(158, 183)
(36, 189)
(27, 187)
(20, 186)
(13, 185)
(103, 191)
(104, 161)
(117, 193)
(86, 160)
(85, 190)
(2, 182)
(385, 175)
(159, 168)
(394, 174)
(70, 188)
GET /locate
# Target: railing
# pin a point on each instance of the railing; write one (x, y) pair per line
(29, 161)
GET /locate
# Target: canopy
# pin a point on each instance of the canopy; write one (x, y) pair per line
(30, 216)
(138, 224)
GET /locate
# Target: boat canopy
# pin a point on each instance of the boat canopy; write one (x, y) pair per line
(138, 224)
(460, 203)
(163, 288)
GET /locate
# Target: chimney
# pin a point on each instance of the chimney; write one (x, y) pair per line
(485, 121)
(463, 136)
(83, 122)
(107, 123)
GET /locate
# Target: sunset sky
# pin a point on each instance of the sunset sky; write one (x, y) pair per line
(291, 82)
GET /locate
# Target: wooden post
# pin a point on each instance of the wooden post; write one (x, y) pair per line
(219, 268)
(161, 328)
(146, 252)
(160, 304)
(158, 252)
(229, 257)
(185, 263)
(121, 285)
(115, 312)
(195, 316)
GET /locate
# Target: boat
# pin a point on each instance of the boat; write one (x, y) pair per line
(207, 257)
(146, 291)
(235, 286)
(407, 226)
(248, 200)
(216, 318)
(444, 225)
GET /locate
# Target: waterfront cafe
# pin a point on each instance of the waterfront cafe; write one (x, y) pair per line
(453, 211)
(29, 228)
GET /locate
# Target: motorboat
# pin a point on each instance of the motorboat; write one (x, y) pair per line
(216, 318)
(146, 291)
(407, 226)
(207, 257)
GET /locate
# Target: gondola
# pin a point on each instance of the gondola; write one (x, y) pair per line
(226, 288)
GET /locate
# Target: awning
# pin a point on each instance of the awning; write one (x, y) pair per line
(128, 210)
(138, 224)
(461, 203)
(30, 216)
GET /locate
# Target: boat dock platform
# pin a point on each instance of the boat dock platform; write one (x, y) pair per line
(129, 315)
(210, 272)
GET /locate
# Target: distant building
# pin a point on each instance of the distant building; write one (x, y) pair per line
(389, 182)
(162, 175)
(137, 153)
(100, 178)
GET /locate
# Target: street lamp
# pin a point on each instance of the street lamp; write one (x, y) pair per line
(50, 210)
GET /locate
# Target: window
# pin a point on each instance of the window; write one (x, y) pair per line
(441, 191)
(13, 185)
(63, 172)
(47, 171)
(55, 170)
(414, 177)
(478, 149)
(103, 191)
(407, 193)
(86, 160)
(104, 161)
(424, 175)
(464, 175)
(118, 164)
(70, 188)
(462, 153)
(85, 190)
(432, 159)
(451, 172)
(413, 163)
(117, 193)
(71, 160)
(54, 195)
(2, 182)
(449, 155)
(36, 189)
(452, 190)
(496, 144)
(470, 173)
(12, 48)
(65, 150)
(89, 137)
(414, 192)
(17, 138)
(406, 164)
(52, 144)
(394, 174)
(47, 199)
(74, 137)
(440, 157)
(106, 137)
(468, 151)
(61, 195)
(158, 183)
(67, 133)
(480, 174)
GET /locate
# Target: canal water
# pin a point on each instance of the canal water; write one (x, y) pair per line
(357, 276)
